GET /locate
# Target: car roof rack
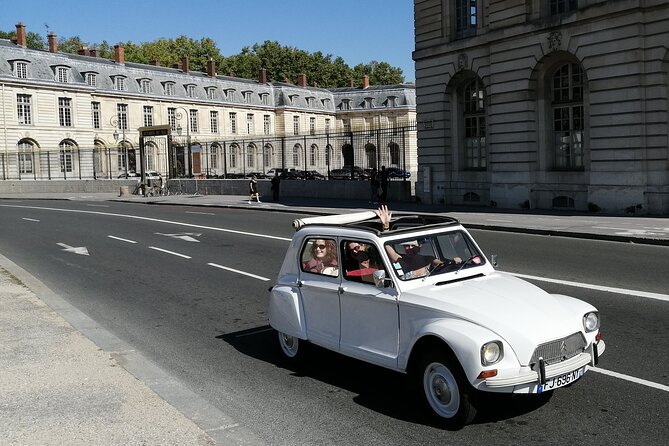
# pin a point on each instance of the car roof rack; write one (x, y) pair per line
(369, 221)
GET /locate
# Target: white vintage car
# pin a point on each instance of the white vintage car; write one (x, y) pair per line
(421, 298)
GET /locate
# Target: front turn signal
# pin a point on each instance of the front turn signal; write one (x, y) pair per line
(487, 374)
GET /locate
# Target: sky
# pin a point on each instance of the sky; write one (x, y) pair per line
(358, 31)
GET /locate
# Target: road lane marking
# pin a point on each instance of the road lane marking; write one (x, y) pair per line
(170, 252)
(200, 213)
(81, 250)
(186, 236)
(643, 382)
(157, 220)
(121, 239)
(238, 271)
(29, 219)
(664, 297)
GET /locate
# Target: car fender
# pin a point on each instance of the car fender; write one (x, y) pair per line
(464, 338)
(285, 311)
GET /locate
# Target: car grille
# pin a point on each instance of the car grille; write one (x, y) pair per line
(559, 350)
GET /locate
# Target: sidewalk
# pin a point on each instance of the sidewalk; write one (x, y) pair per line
(62, 385)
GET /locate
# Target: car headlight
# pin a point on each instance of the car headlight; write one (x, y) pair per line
(591, 321)
(491, 353)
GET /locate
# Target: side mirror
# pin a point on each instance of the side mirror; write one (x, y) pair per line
(380, 279)
(493, 260)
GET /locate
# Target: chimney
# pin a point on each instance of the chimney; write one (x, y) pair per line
(119, 54)
(350, 83)
(211, 67)
(21, 35)
(365, 81)
(314, 84)
(185, 64)
(302, 80)
(53, 42)
(231, 73)
(154, 62)
(262, 76)
(83, 51)
(176, 65)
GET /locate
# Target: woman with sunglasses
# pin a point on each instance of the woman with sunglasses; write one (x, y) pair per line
(324, 258)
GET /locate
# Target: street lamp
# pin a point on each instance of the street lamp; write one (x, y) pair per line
(179, 129)
(121, 124)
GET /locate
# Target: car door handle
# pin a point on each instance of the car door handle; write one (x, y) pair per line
(341, 289)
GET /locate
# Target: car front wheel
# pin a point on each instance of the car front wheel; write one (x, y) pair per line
(445, 390)
(290, 345)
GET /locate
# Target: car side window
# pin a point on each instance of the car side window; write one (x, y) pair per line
(360, 261)
(319, 256)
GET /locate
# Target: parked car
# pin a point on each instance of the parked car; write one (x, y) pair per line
(129, 174)
(314, 175)
(345, 173)
(457, 326)
(396, 172)
(258, 175)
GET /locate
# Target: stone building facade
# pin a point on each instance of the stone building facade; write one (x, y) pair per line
(548, 104)
(74, 116)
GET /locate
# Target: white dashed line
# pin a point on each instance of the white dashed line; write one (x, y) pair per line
(170, 252)
(121, 239)
(29, 219)
(238, 271)
(643, 382)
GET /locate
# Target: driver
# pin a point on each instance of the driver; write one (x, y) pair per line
(412, 260)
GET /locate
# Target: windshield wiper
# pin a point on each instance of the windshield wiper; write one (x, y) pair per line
(465, 262)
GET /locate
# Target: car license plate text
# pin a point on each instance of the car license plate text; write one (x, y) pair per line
(562, 380)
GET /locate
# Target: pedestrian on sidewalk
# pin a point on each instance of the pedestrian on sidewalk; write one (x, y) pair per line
(374, 186)
(253, 189)
(275, 186)
(383, 179)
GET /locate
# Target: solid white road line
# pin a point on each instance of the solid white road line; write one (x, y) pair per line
(664, 297)
(170, 252)
(238, 271)
(29, 219)
(121, 239)
(200, 213)
(643, 382)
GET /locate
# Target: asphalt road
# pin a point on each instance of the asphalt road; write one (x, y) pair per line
(192, 297)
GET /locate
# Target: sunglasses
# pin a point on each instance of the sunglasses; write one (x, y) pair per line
(320, 247)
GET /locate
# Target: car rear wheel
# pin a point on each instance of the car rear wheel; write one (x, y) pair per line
(290, 345)
(445, 391)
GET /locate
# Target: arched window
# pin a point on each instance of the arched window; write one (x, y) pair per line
(26, 155)
(151, 152)
(328, 155)
(213, 155)
(568, 117)
(313, 155)
(66, 156)
(394, 150)
(370, 155)
(268, 155)
(233, 155)
(296, 155)
(474, 125)
(251, 155)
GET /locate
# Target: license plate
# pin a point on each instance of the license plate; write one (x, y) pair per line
(562, 380)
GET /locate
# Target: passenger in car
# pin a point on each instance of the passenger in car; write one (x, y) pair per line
(323, 258)
(361, 261)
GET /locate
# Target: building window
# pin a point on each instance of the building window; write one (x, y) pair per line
(230, 94)
(66, 156)
(267, 124)
(346, 124)
(65, 112)
(24, 109)
(25, 157)
(172, 118)
(313, 155)
(474, 123)
(296, 154)
(119, 83)
(267, 154)
(264, 98)
(95, 115)
(562, 6)
(145, 86)
(233, 122)
(325, 102)
(369, 103)
(250, 124)
(369, 126)
(169, 88)
(190, 91)
(296, 125)
(211, 93)
(466, 18)
(327, 125)
(92, 79)
(233, 155)
(194, 122)
(292, 99)
(391, 101)
(213, 156)
(213, 120)
(568, 117)
(148, 116)
(63, 74)
(250, 155)
(247, 96)
(122, 114)
(310, 101)
(21, 69)
(312, 126)
(345, 104)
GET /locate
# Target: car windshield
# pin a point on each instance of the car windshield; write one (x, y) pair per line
(440, 253)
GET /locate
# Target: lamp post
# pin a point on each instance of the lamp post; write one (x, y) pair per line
(179, 129)
(120, 124)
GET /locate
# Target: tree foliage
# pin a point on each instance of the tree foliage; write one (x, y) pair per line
(283, 63)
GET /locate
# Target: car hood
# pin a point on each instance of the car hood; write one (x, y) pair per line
(515, 310)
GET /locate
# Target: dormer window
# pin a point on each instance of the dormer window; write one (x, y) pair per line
(230, 94)
(91, 79)
(264, 98)
(168, 88)
(391, 101)
(20, 68)
(345, 104)
(211, 92)
(293, 98)
(145, 86)
(247, 96)
(325, 102)
(368, 103)
(310, 100)
(62, 74)
(190, 91)
(119, 83)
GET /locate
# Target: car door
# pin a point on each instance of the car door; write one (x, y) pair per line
(369, 314)
(319, 289)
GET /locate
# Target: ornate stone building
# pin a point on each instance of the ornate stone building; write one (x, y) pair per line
(550, 104)
(68, 116)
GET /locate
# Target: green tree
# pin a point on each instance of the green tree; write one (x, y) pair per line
(33, 40)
